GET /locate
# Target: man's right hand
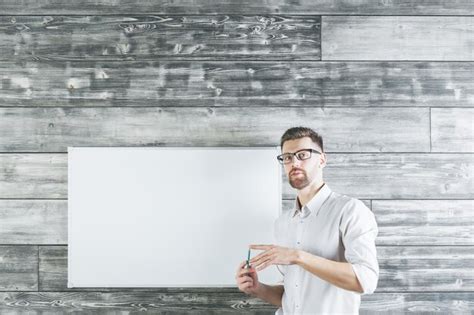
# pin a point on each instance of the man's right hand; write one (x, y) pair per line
(247, 279)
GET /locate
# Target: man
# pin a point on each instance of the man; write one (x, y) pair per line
(325, 245)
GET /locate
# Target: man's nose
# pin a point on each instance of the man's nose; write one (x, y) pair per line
(295, 161)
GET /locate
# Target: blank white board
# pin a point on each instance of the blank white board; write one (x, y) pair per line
(169, 217)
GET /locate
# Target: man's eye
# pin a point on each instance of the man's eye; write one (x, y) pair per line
(302, 155)
(287, 158)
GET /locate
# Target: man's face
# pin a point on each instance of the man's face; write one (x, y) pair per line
(302, 173)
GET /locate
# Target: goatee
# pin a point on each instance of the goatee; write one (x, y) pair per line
(299, 182)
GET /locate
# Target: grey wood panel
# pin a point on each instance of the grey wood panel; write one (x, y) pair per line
(53, 268)
(399, 176)
(33, 176)
(425, 268)
(398, 7)
(33, 221)
(418, 303)
(452, 130)
(363, 176)
(397, 38)
(215, 303)
(152, 36)
(18, 268)
(414, 268)
(54, 129)
(424, 222)
(198, 83)
(130, 302)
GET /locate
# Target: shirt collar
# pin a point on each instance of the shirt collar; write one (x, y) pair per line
(314, 204)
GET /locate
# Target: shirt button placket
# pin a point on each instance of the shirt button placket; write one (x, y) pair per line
(298, 245)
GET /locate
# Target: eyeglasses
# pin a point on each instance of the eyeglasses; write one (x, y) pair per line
(301, 155)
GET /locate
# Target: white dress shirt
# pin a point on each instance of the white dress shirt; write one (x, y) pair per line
(336, 227)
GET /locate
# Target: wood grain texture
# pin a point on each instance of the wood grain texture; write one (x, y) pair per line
(154, 36)
(30, 175)
(130, 302)
(54, 129)
(246, 84)
(392, 96)
(424, 222)
(199, 303)
(33, 221)
(452, 130)
(428, 268)
(417, 303)
(349, 7)
(397, 38)
(18, 268)
(399, 176)
(363, 176)
(414, 268)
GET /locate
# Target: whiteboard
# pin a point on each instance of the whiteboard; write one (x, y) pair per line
(169, 217)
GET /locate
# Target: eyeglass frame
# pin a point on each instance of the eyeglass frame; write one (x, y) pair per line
(295, 155)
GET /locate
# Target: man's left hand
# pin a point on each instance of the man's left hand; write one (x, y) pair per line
(273, 255)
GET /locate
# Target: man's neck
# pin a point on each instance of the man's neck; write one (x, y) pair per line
(306, 194)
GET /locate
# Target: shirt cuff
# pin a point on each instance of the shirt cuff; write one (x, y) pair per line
(367, 278)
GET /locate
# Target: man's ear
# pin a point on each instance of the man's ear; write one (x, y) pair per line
(323, 160)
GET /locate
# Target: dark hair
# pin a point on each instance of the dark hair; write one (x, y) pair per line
(301, 132)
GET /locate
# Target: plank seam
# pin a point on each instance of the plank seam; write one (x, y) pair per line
(208, 290)
(283, 199)
(328, 152)
(326, 107)
(378, 245)
(315, 13)
(225, 59)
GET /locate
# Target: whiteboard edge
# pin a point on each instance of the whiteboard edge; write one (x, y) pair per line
(69, 219)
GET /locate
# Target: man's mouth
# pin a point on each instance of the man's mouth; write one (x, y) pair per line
(296, 173)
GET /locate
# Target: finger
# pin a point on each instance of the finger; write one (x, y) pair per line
(246, 271)
(241, 265)
(264, 254)
(259, 257)
(244, 279)
(264, 262)
(247, 285)
(265, 265)
(260, 246)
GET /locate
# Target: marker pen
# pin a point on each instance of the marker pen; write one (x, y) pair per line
(248, 260)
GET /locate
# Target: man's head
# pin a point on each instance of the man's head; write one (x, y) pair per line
(308, 145)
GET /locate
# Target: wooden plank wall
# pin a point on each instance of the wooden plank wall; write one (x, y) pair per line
(389, 84)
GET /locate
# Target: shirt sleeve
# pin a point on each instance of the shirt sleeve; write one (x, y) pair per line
(358, 229)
